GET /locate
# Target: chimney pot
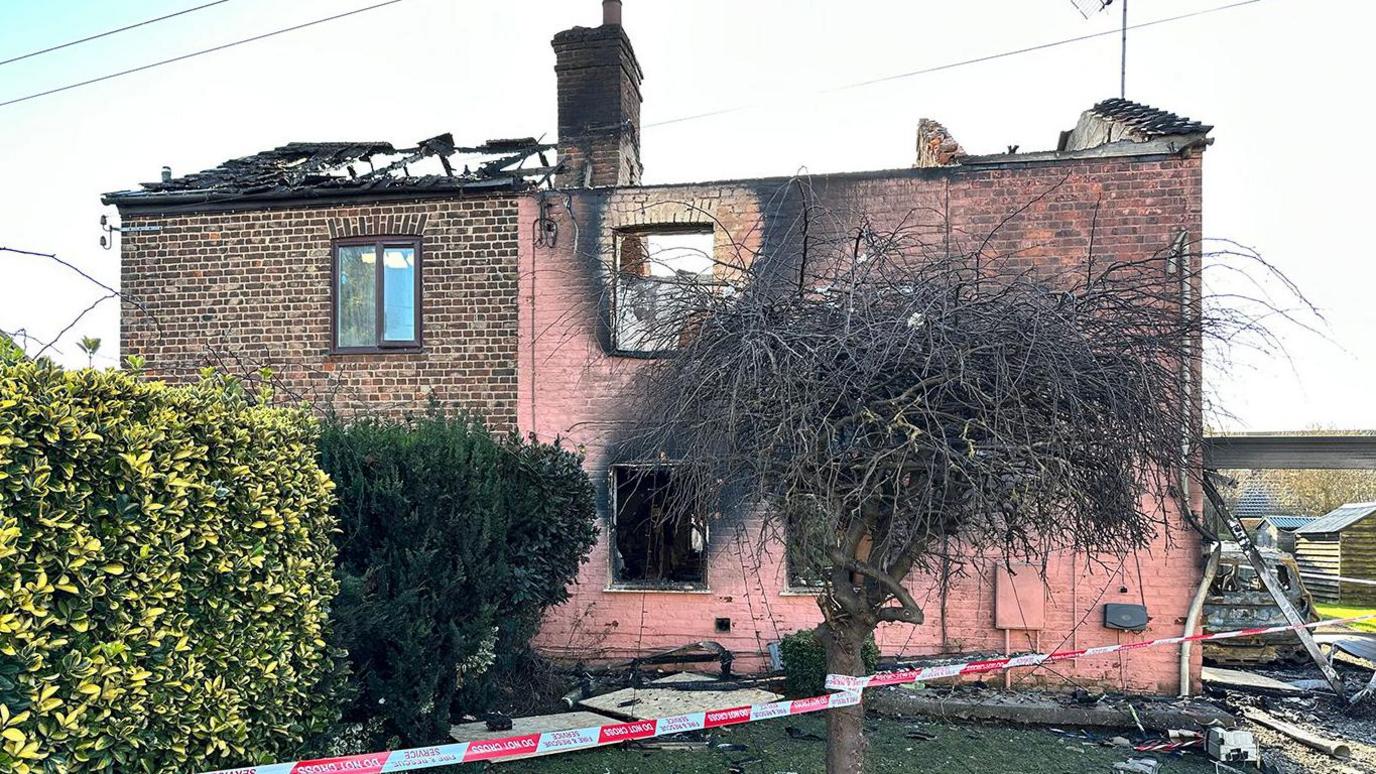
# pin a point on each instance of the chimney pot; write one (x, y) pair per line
(611, 12)
(167, 174)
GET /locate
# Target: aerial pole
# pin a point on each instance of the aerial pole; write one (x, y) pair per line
(1122, 39)
(1123, 65)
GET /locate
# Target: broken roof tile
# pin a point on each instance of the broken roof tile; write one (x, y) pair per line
(1147, 120)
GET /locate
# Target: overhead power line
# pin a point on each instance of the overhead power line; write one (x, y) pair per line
(1052, 44)
(975, 60)
(87, 39)
(202, 52)
(681, 119)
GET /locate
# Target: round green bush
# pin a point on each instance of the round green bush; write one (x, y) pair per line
(165, 575)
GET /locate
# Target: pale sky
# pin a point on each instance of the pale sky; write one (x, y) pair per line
(1285, 82)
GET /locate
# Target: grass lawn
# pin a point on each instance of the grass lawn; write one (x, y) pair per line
(769, 750)
(1338, 611)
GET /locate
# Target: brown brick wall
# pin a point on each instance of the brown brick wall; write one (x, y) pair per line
(243, 290)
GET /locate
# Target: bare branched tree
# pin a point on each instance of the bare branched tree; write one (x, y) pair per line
(876, 400)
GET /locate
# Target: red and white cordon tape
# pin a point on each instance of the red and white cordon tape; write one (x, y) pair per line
(849, 688)
(946, 671)
(552, 741)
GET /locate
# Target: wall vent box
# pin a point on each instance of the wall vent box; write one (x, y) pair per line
(1019, 597)
(1132, 618)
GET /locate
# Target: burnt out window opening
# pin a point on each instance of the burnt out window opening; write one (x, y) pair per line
(658, 273)
(376, 294)
(658, 539)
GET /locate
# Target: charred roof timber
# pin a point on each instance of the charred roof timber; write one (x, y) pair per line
(343, 170)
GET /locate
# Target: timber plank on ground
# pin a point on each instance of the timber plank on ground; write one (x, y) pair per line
(1247, 681)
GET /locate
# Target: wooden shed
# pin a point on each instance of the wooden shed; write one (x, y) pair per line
(1341, 543)
(1279, 531)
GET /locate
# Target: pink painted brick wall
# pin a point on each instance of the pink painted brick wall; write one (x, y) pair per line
(569, 386)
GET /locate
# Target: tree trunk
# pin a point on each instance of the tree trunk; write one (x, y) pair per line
(845, 725)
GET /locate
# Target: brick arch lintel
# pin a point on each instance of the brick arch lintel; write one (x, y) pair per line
(407, 224)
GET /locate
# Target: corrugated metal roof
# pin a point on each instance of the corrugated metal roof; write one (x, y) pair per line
(1289, 523)
(1260, 499)
(1338, 519)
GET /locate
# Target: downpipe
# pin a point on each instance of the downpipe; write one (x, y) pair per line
(1196, 609)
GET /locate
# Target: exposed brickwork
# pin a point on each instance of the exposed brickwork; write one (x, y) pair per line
(248, 289)
(599, 106)
(935, 145)
(393, 224)
(570, 387)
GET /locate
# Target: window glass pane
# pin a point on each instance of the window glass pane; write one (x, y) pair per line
(399, 293)
(357, 313)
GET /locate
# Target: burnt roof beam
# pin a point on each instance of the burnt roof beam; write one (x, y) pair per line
(440, 145)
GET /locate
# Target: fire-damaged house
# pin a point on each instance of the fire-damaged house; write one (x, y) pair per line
(524, 281)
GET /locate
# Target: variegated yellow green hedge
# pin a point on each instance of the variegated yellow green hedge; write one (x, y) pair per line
(165, 575)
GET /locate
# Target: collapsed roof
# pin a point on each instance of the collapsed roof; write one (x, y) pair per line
(1147, 120)
(339, 170)
(1117, 120)
(1113, 127)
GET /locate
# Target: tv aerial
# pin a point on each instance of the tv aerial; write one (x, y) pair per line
(1088, 8)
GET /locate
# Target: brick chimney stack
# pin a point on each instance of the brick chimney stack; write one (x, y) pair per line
(599, 103)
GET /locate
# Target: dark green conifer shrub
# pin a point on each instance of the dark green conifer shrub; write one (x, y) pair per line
(453, 543)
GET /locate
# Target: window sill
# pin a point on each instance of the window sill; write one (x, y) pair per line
(631, 354)
(802, 591)
(376, 351)
(656, 588)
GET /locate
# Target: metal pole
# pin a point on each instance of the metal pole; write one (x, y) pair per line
(1123, 67)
